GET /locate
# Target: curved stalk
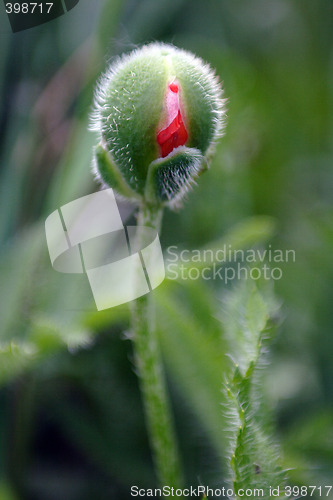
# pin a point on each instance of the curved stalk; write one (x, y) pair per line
(151, 375)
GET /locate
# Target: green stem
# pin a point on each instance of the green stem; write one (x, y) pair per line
(151, 375)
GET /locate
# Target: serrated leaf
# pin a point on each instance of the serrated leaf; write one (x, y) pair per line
(255, 462)
(244, 317)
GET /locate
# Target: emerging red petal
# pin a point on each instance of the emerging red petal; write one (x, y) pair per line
(174, 133)
(173, 87)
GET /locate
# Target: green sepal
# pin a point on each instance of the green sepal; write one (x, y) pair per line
(110, 173)
(169, 178)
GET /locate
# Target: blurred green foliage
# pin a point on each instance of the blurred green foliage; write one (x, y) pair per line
(71, 417)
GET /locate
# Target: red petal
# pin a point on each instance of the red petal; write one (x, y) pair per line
(175, 133)
(173, 136)
(173, 87)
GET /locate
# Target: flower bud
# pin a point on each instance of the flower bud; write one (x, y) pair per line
(158, 111)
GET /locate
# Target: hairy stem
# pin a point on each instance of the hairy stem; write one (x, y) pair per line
(151, 375)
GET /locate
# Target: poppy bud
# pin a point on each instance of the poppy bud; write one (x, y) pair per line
(158, 111)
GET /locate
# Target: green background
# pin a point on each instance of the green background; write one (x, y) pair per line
(70, 411)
